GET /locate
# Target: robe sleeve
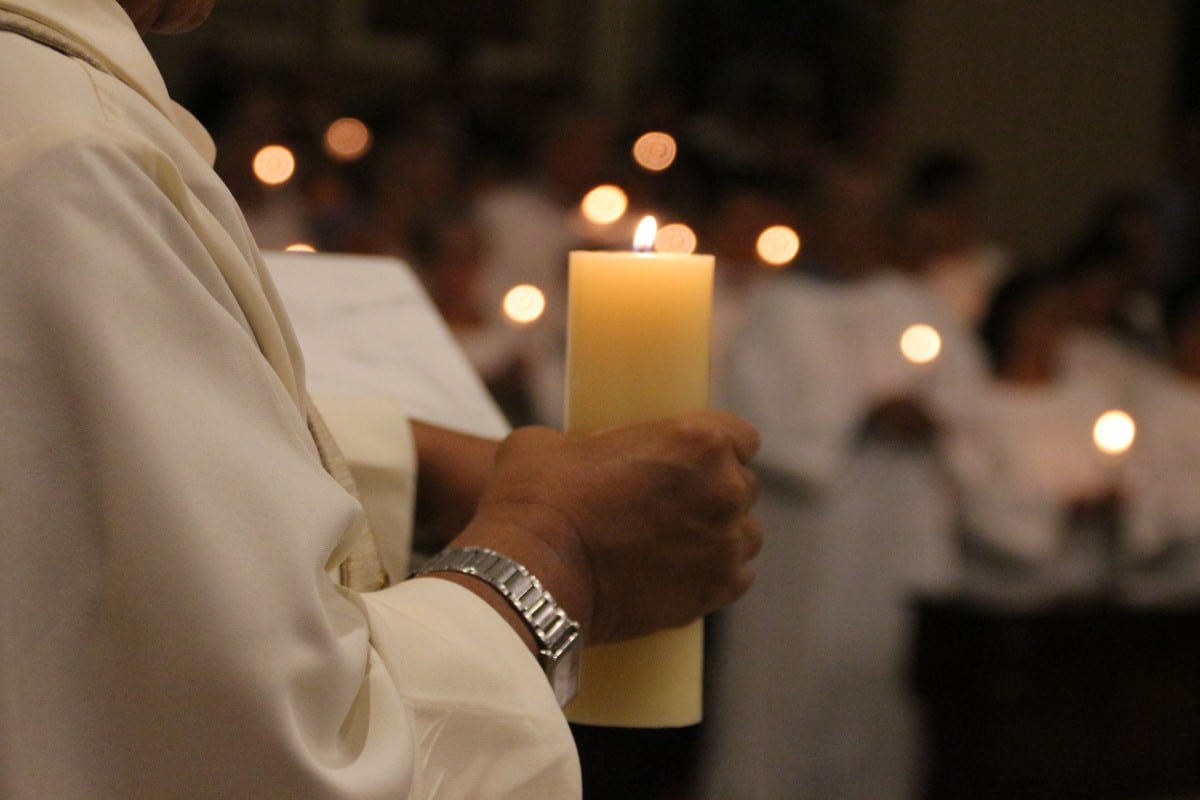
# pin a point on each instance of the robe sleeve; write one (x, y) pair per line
(786, 376)
(167, 626)
(997, 507)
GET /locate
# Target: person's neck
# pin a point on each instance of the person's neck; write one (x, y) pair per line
(1028, 371)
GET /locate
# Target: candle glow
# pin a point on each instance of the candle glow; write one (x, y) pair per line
(644, 236)
(347, 139)
(1114, 432)
(274, 165)
(778, 245)
(524, 304)
(604, 205)
(921, 343)
(655, 151)
(675, 238)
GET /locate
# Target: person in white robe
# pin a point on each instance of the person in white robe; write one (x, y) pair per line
(1161, 564)
(945, 239)
(1102, 344)
(1039, 500)
(190, 603)
(528, 224)
(809, 695)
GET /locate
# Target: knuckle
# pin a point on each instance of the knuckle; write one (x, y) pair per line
(698, 435)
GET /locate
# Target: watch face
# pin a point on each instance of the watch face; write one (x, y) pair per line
(564, 673)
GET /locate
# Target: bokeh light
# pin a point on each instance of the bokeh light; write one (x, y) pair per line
(1114, 432)
(300, 247)
(675, 238)
(605, 204)
(778, 245)
(274, 165)
(655, 151)
(921, 343)
(524, 304)
(347, 139)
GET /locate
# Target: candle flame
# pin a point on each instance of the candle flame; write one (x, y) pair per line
(921, 343)
(1114, 432)
(643, 238)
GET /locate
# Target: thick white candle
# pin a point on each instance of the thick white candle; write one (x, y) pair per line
(638, 344)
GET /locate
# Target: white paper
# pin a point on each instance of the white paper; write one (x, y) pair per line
(366, 326)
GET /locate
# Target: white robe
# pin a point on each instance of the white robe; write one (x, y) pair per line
(808, 696)
(1024, 455)
(1162, 527)
(167, 625)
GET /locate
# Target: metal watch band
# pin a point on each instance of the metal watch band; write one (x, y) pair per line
(550, 625)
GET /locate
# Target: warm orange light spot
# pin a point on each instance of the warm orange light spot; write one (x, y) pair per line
(778, 245)
(921, 343)
(524, 304)
(605, 204)
(274, 165)
(347, 139)
(655, 150)
(1114, 432)
(675, 238)
(300, 247)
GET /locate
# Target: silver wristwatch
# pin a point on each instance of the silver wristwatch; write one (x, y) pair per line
(558, 636)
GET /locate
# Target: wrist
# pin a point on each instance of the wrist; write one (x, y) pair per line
(557, 637)
(555, 557)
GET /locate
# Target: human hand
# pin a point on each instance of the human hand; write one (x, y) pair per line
(1098, 509)
(650, 524)
(902, 420)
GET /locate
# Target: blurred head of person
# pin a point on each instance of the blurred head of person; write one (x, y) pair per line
(846, 222)
(1181, 321)
(1026, 325)
(943, 196)
(1101, 275)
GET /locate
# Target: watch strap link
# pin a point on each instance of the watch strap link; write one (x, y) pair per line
(549, 623)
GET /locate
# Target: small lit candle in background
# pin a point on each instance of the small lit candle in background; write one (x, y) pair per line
(777, 246)
(920, 344)
(347, 139)
(1114, 433)
(655, 151)
(604, 205)
(274, 165)
(523, 304)
(638, 349)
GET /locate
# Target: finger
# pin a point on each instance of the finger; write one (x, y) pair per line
(753, 489)
(752, 537)
(742, 434)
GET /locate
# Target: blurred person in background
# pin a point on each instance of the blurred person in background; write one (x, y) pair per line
(945, 240)
(1039, 501)
(1098, 276)
(448, 255)
(808, 694)
(1162, 537)
(529, 223)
